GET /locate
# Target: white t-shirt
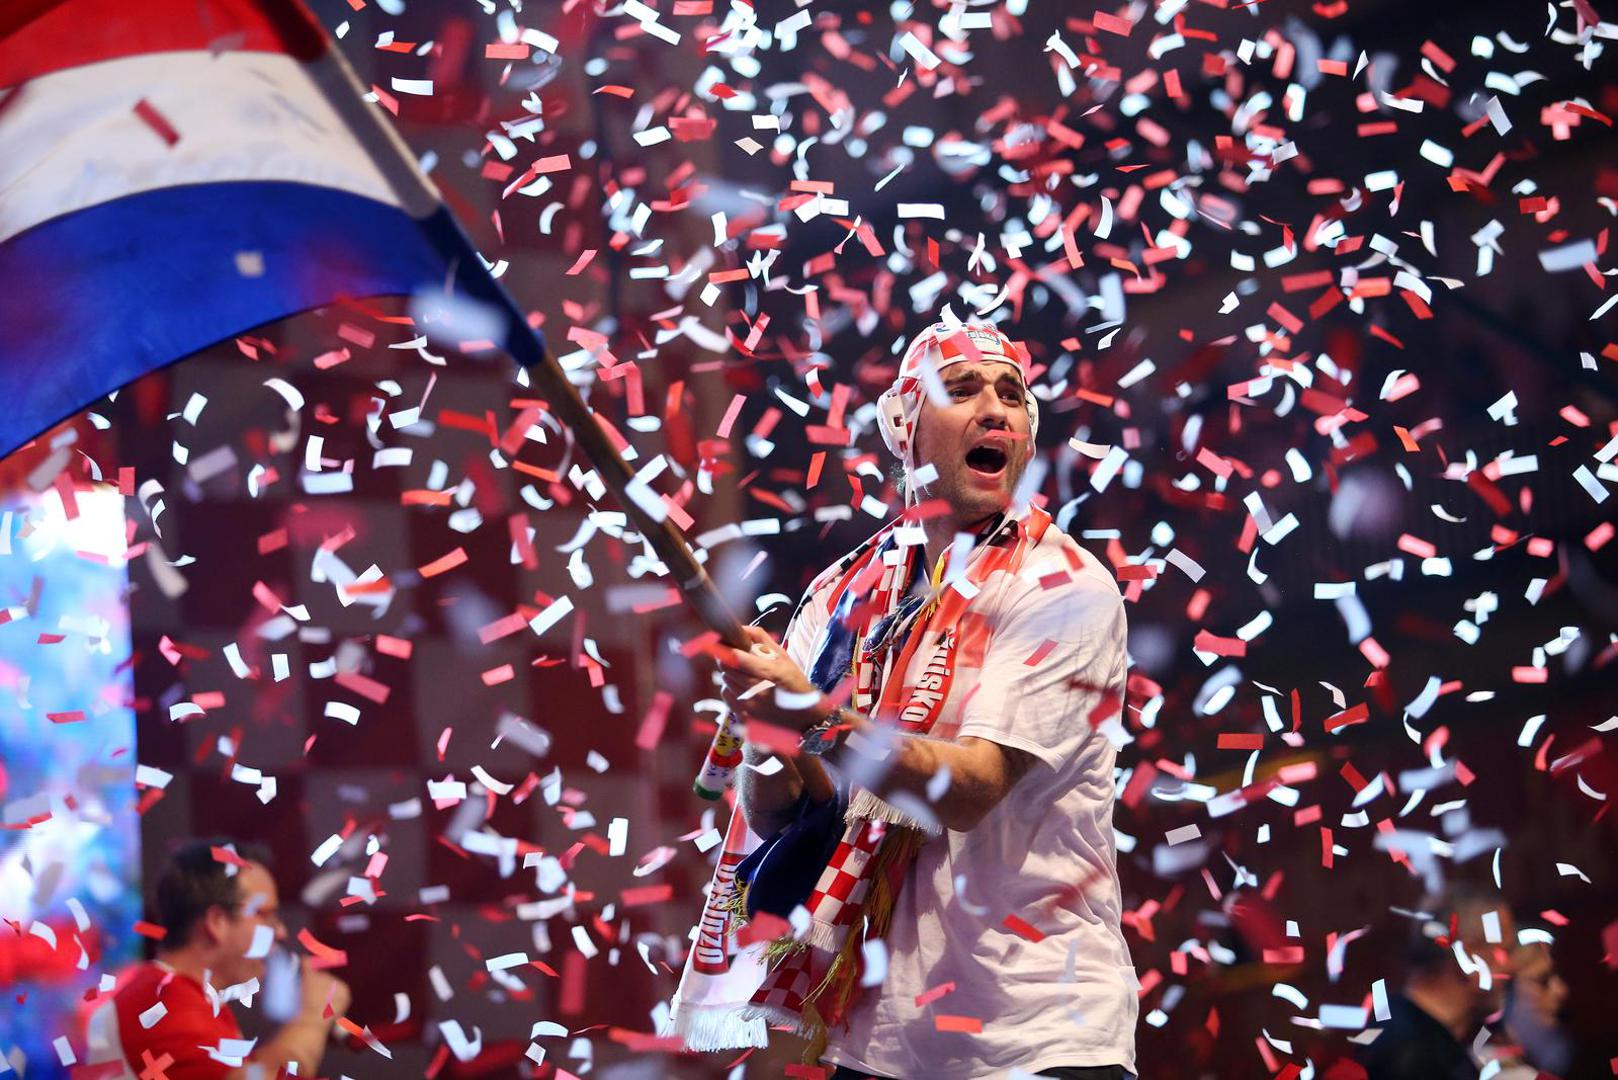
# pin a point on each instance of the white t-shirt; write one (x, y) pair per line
(1068, 999)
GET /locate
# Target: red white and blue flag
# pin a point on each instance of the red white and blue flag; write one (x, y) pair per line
(175, 172)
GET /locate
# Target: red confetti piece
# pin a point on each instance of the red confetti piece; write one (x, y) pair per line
(1219, 646)
(646, 894)
(704, 642)
(1412, 545)
(1040, 653)
(1214, 463)
(363, 685)
(392, 646)
(1358, 714)
(156, 121)
(650, 732)
(776, 739)
(581, 262)
(444, 563)
(970, 1025)
(1023, 928)
(1112, 24)
(570, 999)
(322, 955)
(502, 627)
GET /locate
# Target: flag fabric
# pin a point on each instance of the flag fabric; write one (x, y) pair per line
(176, 172)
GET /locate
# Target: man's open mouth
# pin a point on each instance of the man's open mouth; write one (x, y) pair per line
(988, 460)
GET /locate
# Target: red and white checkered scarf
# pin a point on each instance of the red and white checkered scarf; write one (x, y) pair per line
(809, 978)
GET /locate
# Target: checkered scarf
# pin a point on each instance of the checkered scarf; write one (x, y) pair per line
(808, 980)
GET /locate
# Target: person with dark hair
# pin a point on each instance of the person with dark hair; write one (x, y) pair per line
(220, 914)
(1459, 964)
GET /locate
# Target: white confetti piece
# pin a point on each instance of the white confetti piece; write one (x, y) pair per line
(1183, 834)
(1593, 487)
(875, 954)
(919, 52)
(1185, 564)
(263, 938)
(151, 776)
(326, 850)
(551, 615)
(1560, 260)
(464, 1048)
(506, 961)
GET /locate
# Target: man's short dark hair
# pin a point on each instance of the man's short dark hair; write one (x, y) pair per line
(193, 881)
(1465, 901)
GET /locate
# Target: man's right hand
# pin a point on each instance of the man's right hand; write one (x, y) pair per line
(303, 1038)
(321, 988)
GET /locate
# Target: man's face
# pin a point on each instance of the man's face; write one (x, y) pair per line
(260, 906)
(1538, 991)
(977, 441)
(1475, 940)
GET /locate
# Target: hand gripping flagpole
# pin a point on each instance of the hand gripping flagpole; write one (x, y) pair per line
(338, 83)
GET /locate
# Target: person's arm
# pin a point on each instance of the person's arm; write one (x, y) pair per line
(768, 801)
(302, 1040)
(980, 771)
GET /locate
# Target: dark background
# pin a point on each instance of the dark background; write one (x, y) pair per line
(1198, 927)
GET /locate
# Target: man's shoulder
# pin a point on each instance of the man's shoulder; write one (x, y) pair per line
(1413, 1045)
(143, 981)
(1059, 571)
(150, 983)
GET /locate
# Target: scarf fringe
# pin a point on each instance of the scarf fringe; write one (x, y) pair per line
(725, 1027)
(865, 806)
(826, 937)
(775, 1016)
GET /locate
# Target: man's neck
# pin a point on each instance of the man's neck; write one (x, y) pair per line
(1447, 1008)
(942, 530)
(187, 961)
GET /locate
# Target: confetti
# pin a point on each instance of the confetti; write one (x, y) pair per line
(1224, 241)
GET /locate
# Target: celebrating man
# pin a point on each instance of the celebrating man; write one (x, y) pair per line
(220, 914)
(950, 679)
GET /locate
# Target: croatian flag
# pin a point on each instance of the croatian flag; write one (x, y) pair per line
(175, 172)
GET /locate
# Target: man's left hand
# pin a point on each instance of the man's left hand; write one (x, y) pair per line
(767, 663)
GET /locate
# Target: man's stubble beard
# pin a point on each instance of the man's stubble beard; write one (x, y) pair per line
(969, 507)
